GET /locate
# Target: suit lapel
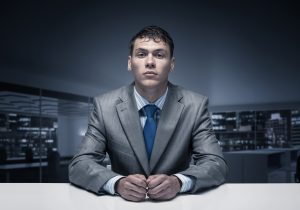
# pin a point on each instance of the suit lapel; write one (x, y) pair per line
(170, 115)
(129, 118)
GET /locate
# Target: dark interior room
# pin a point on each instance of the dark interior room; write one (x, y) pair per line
(56, 56)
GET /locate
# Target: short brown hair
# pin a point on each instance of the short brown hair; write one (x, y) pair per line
(155, 33)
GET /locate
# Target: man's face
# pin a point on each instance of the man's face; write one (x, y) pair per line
(150, 63)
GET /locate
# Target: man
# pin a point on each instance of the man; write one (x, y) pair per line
(158, 136)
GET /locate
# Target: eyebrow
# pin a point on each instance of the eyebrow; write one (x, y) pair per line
(145, 50)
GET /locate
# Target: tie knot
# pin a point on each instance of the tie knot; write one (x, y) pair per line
(150, 110)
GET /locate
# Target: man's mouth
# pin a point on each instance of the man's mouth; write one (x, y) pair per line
(150, 73)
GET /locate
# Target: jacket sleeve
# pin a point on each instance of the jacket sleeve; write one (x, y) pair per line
(86, 169)
(209, 167)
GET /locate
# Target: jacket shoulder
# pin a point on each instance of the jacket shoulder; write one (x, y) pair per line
(189, 96)
(113, 95)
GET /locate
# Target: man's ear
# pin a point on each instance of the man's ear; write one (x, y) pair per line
(129, 63)
(172, 64)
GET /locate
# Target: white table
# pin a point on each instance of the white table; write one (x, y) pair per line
(46, 196)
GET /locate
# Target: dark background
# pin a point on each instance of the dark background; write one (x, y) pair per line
(235, 52)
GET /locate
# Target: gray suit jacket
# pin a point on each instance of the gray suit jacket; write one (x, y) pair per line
(184, 141)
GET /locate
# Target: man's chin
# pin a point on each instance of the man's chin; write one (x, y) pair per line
(151, 84)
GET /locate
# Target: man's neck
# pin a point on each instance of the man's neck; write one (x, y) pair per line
(151, 94)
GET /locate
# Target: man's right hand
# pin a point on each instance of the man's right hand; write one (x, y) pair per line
(132, 187)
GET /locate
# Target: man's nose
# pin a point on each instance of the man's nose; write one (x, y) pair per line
(150, 62)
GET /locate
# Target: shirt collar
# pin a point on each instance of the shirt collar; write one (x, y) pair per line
(141, 101)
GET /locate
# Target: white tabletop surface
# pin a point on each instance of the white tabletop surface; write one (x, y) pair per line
(46, 196)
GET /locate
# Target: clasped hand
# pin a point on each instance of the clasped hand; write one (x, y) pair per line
(158, 187)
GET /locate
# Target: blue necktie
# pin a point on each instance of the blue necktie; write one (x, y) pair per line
(150, 128)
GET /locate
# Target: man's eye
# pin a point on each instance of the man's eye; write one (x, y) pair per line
(160, 55)
(140, 55)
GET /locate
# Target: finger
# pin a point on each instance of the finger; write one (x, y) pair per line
(137, 194)
(156, 181)
(133, 198)
(163, 195)
(130, 191)
(159, 195)
(140, 190)
(157, 189)
(132, 187)
(141, 176)
(151, 177)
(168, 184)
(138, 181)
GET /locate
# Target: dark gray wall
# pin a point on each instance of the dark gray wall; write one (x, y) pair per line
(235, 52)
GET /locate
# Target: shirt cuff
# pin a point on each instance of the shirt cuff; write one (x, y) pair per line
(109, 186)
(187, 182)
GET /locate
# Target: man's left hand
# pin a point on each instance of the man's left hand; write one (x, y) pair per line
(163, 187)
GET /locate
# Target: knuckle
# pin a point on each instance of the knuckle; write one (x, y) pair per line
(126, 185)
(168, 181)
(130, 176)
